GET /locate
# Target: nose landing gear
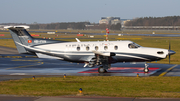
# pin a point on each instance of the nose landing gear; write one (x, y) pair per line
(101, 69)
(146, 70)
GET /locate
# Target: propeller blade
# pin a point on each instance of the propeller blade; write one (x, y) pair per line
(169, 51)
(169, 45)
(169, 58)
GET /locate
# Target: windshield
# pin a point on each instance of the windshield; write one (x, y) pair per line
(133, 45)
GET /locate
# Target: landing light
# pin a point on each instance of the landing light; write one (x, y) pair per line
(80, 90)
(137, 75)
(64, 75)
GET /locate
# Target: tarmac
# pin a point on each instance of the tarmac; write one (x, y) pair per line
(13, 63)
(79, 98)
(16, 66)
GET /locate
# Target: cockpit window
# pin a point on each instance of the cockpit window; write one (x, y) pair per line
(133, 45)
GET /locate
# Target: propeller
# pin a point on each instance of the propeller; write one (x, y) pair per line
(170, 52)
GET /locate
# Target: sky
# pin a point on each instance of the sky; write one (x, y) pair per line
(51, 11)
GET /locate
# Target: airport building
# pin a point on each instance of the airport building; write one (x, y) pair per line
(110, 20)
(151, 27)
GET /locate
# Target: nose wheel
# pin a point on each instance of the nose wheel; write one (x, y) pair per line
(146, 70)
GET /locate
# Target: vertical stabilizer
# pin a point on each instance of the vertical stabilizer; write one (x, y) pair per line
(21, 37)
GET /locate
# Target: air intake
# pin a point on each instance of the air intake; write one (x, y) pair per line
(160, 52)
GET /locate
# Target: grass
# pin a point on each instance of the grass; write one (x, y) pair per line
(115, 31)
(164, 87)
(7, 43)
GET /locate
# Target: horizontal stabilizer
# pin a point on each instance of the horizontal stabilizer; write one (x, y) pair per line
(19, 26)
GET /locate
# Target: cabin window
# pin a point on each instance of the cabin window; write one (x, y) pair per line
(116, 47)
(78, 48)
(96, 47)
(87, 48)
(105, 47)
(133, 45)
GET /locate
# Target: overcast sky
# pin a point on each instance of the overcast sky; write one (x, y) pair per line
(47, 11)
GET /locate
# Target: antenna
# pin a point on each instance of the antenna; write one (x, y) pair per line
(78, 40)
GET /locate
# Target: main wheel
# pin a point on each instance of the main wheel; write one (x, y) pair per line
(101, 69)
(146, 70)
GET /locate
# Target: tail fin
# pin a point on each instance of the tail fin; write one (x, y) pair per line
(20, 35)
(22, 38)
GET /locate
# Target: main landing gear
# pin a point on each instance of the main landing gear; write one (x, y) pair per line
(146, 70)
(105, 64)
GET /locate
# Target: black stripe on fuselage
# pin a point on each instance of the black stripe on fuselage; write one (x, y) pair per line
(150, 57)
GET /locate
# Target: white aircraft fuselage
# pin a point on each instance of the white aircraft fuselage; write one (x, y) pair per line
(84, 51)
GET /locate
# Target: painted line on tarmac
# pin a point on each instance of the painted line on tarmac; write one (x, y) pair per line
(24, 60)
(129, 38)
(18, 56)
(31, 56)
(39, 63)
(10, 56)
(162, 74)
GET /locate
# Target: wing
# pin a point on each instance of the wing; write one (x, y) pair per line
(108, 54)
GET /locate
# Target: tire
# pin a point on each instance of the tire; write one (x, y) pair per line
(101, 70)
(146, 70)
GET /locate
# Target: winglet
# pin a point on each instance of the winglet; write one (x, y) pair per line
(78, 40)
